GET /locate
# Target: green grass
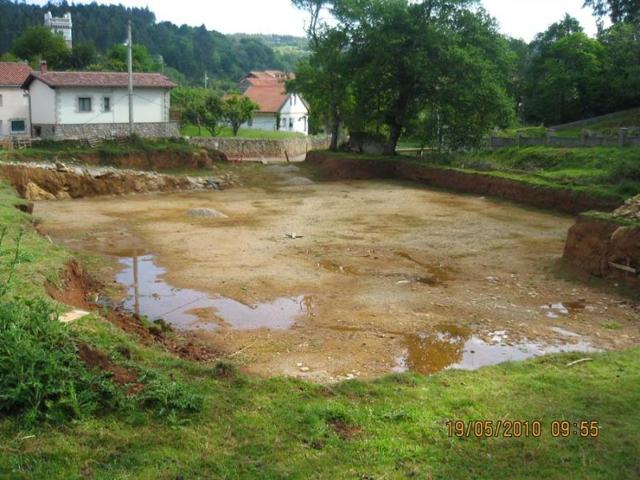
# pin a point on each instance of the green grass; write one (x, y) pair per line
(282, 428)
(608, 127)
(39, 261)
(66, 150)
(598, 171)
(246, 133)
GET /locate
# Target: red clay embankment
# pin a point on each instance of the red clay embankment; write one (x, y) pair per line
(605, 248)
(562, 200)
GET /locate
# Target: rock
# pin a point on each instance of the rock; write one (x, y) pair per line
(61, 167)
(72, 316)
(34, 192)
(62, 195)
(206, 212)
(298, 181)
(630, 209)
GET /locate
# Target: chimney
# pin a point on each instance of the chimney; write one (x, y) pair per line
(43, 66)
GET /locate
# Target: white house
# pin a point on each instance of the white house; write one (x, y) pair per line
(14, 101)
(73, 105)
(279, 110)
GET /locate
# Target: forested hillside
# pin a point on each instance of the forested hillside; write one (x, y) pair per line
(190, 50)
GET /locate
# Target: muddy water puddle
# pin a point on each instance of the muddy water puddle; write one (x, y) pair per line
(454, 347)
(195, 310)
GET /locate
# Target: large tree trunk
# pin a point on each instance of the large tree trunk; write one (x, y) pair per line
(394, 136)
(335, 130)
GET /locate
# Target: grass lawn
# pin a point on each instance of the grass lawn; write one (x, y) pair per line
(48, 151)
(252, 428)
(248, 133)
(613, 172)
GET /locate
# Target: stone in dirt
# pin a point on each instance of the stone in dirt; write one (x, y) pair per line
(34, 192)
(62, 195)
(298, 182)
(72, 316)
(630, 209)
(206, 212)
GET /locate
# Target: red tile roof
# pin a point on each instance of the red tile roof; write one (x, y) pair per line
(270, 99)
(13, 74)
(267, 89)
(101, 79)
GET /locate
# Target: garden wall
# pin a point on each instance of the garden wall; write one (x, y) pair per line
(258, 149)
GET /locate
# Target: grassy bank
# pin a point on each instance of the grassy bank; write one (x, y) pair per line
(612, 172)
(246, 133)
(391, 428)
(68, 150)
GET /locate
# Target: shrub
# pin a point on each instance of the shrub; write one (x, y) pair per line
(41, 375)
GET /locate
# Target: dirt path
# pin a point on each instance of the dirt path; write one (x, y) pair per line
(387, 276)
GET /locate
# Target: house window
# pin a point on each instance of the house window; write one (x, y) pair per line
(84, 104)
(106, 104)
(0, 100)
(290, 123)
(284, 122)
(18, 126)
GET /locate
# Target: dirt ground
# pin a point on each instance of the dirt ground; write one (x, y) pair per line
(381, 276)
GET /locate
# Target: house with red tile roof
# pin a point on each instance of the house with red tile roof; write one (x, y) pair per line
(14, 100)
(77, 105)
(279, 110)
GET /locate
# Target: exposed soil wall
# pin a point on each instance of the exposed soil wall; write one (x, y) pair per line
(566, 201)
(596, 246)
(49, 182)
(137, 158)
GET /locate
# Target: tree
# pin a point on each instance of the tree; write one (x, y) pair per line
(237, 110)
(564, 76)
(324, 80)
(617, 10)
(621, 67)
(82, 55)
(200, 107)
(116, 59)
(40, 44)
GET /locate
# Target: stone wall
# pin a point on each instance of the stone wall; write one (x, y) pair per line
(108, 130)
(253, 149)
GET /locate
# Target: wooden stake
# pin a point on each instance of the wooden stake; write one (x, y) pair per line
(136, 290)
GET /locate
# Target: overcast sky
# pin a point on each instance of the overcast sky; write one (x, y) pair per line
(518, 18)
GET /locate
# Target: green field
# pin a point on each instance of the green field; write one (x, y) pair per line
(247, 133)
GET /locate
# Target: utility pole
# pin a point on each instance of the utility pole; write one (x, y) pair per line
(130, 71)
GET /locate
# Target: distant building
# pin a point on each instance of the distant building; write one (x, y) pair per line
(14, 100)
(279, 110)
(60, 26)
(78, 105)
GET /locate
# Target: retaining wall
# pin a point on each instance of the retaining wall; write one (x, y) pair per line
(108, 130)
(253, 149)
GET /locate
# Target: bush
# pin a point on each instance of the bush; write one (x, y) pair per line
(41, 375)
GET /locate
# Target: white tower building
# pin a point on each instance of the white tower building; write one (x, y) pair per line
(60, 26)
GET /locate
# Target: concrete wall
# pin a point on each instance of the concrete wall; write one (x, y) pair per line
(246, 149)
(43, 103)
(60, 106)
(109, 130)
(15, 106)
(149, 105)
(263, 121)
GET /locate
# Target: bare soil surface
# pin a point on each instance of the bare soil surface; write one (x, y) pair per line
(327, 281)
